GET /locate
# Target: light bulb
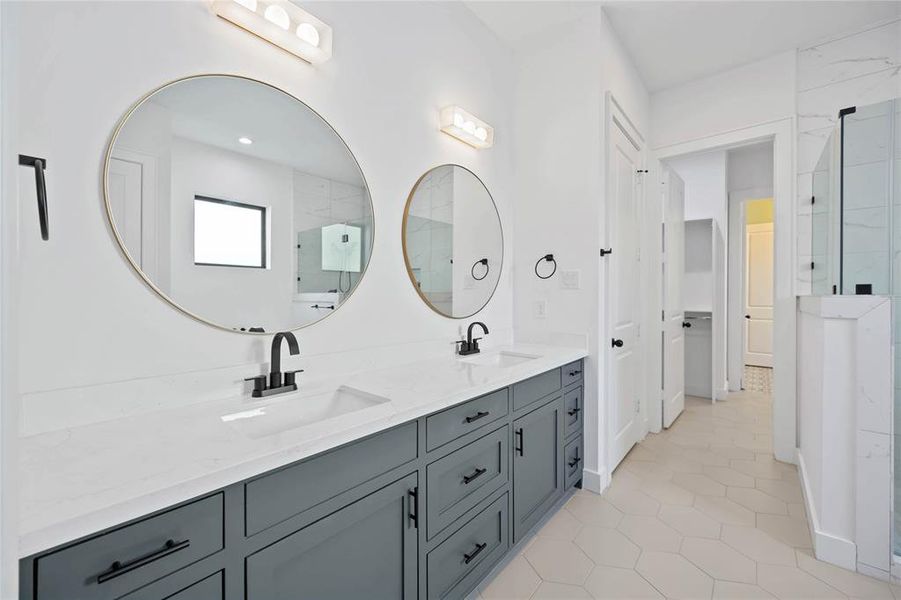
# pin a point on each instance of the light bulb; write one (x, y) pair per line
(277, 15)
(308, 33)
(250, 5)
(245, 140)
(481, 133)
(458, 120)
(469, 127)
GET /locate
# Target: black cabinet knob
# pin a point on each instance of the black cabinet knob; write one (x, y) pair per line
(617, 343)
(686, 324)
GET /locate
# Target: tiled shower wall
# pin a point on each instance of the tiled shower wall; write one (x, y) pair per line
(853, 70)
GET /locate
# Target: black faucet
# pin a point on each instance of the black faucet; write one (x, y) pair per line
(277, 384)
(470, 345)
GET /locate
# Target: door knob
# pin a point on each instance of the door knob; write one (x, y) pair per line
(617, 343)
(686, 324)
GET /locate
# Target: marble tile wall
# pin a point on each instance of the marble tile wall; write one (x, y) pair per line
(853, 70)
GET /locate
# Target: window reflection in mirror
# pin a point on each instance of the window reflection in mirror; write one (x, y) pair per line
(239, 204)
(453, 243)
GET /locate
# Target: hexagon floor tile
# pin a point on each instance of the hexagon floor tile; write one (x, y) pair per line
(701, 510)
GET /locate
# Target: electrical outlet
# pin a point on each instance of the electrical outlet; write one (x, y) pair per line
(539, 309)
(570, 280)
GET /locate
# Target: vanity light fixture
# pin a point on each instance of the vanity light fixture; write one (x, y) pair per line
(245, 140)
(466, 127)
(282, 23)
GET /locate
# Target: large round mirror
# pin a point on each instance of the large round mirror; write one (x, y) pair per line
(453, 243)
(238, 204)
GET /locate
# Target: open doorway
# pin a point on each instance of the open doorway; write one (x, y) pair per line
(724, 301)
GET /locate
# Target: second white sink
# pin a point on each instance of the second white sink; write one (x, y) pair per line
(500, 359)
(295, 411)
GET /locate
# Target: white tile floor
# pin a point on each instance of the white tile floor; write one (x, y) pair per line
(700, 511)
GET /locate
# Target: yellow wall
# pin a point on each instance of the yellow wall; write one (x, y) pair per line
(759, 211)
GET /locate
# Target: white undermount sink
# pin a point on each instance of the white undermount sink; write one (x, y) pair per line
(500, 359)
(293, 411)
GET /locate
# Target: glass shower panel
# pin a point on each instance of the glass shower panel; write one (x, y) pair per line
(866, 158)
(824, 220)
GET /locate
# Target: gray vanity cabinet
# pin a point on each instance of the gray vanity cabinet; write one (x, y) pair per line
(367, 549)
(537, 472)
(424, 510)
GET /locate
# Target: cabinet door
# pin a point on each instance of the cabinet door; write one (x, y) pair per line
(367, 549)
(537, 469)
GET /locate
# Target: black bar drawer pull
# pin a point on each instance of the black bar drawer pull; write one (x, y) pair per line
(479, 415)
(574, 462)
(574, 373)
(467, 479)
(520, 436)
(121, 568)
(39, 164)
(574, 411)
(468, 558)
(414, 506)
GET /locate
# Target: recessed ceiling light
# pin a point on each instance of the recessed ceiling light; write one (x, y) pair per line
(245, 140)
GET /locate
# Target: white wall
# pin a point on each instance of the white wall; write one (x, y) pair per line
(845, 405)
(756, 93)
(395, 65)
(563, 76)
(226, 295)
(750, 168)
(705, 186)
(851, 70)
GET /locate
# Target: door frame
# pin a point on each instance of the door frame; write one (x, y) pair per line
(735, 334)
(615, 116)
(781, 132)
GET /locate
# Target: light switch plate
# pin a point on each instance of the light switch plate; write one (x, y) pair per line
(571, 280)
(539, 309)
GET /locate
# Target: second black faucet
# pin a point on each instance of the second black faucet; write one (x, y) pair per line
(470, 345)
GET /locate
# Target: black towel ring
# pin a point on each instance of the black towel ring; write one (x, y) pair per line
(472, 271)
(548, 258)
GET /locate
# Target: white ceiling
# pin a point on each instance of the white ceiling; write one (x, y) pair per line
(673, 42)
(218, 110)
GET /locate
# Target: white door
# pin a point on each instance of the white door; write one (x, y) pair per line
(623, 304)
(134, 204)
(759, 295)
(674, 322)
(125, 197)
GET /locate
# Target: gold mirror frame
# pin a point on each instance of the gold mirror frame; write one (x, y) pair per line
(403, 239)
(137, 269)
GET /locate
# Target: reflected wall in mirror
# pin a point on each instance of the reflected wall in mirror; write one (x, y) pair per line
(453, 242)
(238, 204)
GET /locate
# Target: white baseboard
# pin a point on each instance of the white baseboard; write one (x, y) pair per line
(826, 547)
(595, 481)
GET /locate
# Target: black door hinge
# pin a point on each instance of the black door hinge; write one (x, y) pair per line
(640, 171)
(811, 265)
(605, 252)
(813, 199)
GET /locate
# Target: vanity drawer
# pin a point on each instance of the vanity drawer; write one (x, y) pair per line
(287, 492)
(528, 391)
(462, 479)
(209, 588)
(454, 422)
(572, 462)
(572, 411)
(572, 373)
(145, 551)
(458, 563)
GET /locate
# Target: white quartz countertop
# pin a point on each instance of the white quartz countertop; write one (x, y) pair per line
(77, 481)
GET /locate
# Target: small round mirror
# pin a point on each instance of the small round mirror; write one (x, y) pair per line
(238, 204)
(453, 243)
